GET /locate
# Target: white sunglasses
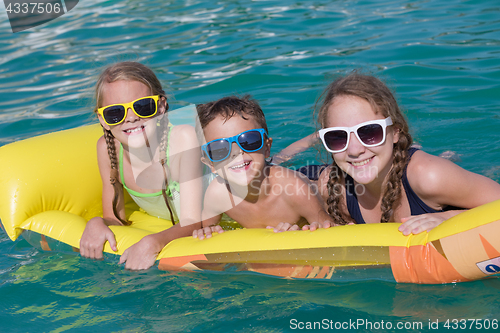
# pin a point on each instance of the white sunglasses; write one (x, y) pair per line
(370, 134)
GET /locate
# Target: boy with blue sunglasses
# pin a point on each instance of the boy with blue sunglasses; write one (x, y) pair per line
(247, 188)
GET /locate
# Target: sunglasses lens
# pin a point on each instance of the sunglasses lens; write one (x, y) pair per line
(250, 141)
(218, 150)
(145, 107)
(113, 114)
(371, 134)
(336, 140)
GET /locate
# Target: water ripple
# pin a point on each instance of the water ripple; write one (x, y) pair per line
(440, 56)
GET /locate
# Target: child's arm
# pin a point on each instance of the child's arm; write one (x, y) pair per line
(439, 182)
(96, 231)
(142, 255)
(295, 148)
(211, 213)
(308, 204)
(190, 175)
(312, 207)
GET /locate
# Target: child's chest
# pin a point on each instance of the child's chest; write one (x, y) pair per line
(263, 214)
(372, 211)
(147, 178)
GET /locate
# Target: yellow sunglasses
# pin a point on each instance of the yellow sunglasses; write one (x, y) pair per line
(144, 107)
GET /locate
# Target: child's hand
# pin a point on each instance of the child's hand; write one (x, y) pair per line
(94, 236)
(207, 232)
(317, 225)
(142, 254)
(284, 226)
(325, 225)
(419, 223)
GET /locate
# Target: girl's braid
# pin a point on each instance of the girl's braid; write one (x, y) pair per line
(114, 174)
(392, 193)
(334, 200)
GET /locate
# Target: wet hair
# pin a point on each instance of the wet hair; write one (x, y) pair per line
(384, 103)
(132, 71)
(228, 107)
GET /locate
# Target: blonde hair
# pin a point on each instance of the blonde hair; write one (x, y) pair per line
(132, 71)
(383, 102)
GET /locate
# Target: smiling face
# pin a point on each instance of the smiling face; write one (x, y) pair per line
(240, 168)
(364, 165)
(132, 131)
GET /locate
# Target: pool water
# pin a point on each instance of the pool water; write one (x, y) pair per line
(440, 57)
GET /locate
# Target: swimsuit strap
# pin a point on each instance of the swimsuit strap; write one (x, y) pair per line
(352, 200)
(417, 206)
(167, 155)
(171, 184)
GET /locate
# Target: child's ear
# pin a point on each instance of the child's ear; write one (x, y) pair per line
(162, 107)
(396, 135)
(208, 163)
(267, 145)
(103, 123)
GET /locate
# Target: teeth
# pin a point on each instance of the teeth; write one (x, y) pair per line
(361, 163)
(137, 129)
(242, 165)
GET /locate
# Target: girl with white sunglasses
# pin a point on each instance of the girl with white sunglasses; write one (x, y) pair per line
(376, 175)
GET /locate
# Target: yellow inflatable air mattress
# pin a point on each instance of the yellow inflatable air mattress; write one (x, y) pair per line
(50, 186)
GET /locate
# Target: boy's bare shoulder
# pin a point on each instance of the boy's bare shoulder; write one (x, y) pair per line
(279, 174)
(293, 184)
(216, 190)
(184, 136)
(184, 131)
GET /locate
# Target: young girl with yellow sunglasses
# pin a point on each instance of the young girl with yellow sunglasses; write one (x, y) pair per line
(143, 154)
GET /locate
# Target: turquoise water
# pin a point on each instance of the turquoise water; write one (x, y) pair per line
(441, 58)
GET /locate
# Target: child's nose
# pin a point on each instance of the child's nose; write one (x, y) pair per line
(355, 147)
(235, 150)
(131, 116)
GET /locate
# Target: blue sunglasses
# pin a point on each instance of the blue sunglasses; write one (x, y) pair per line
(249, 141)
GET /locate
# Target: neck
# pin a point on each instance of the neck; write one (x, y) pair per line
(375, 189)
(257, 187)
(253, 191)
(147, 153)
